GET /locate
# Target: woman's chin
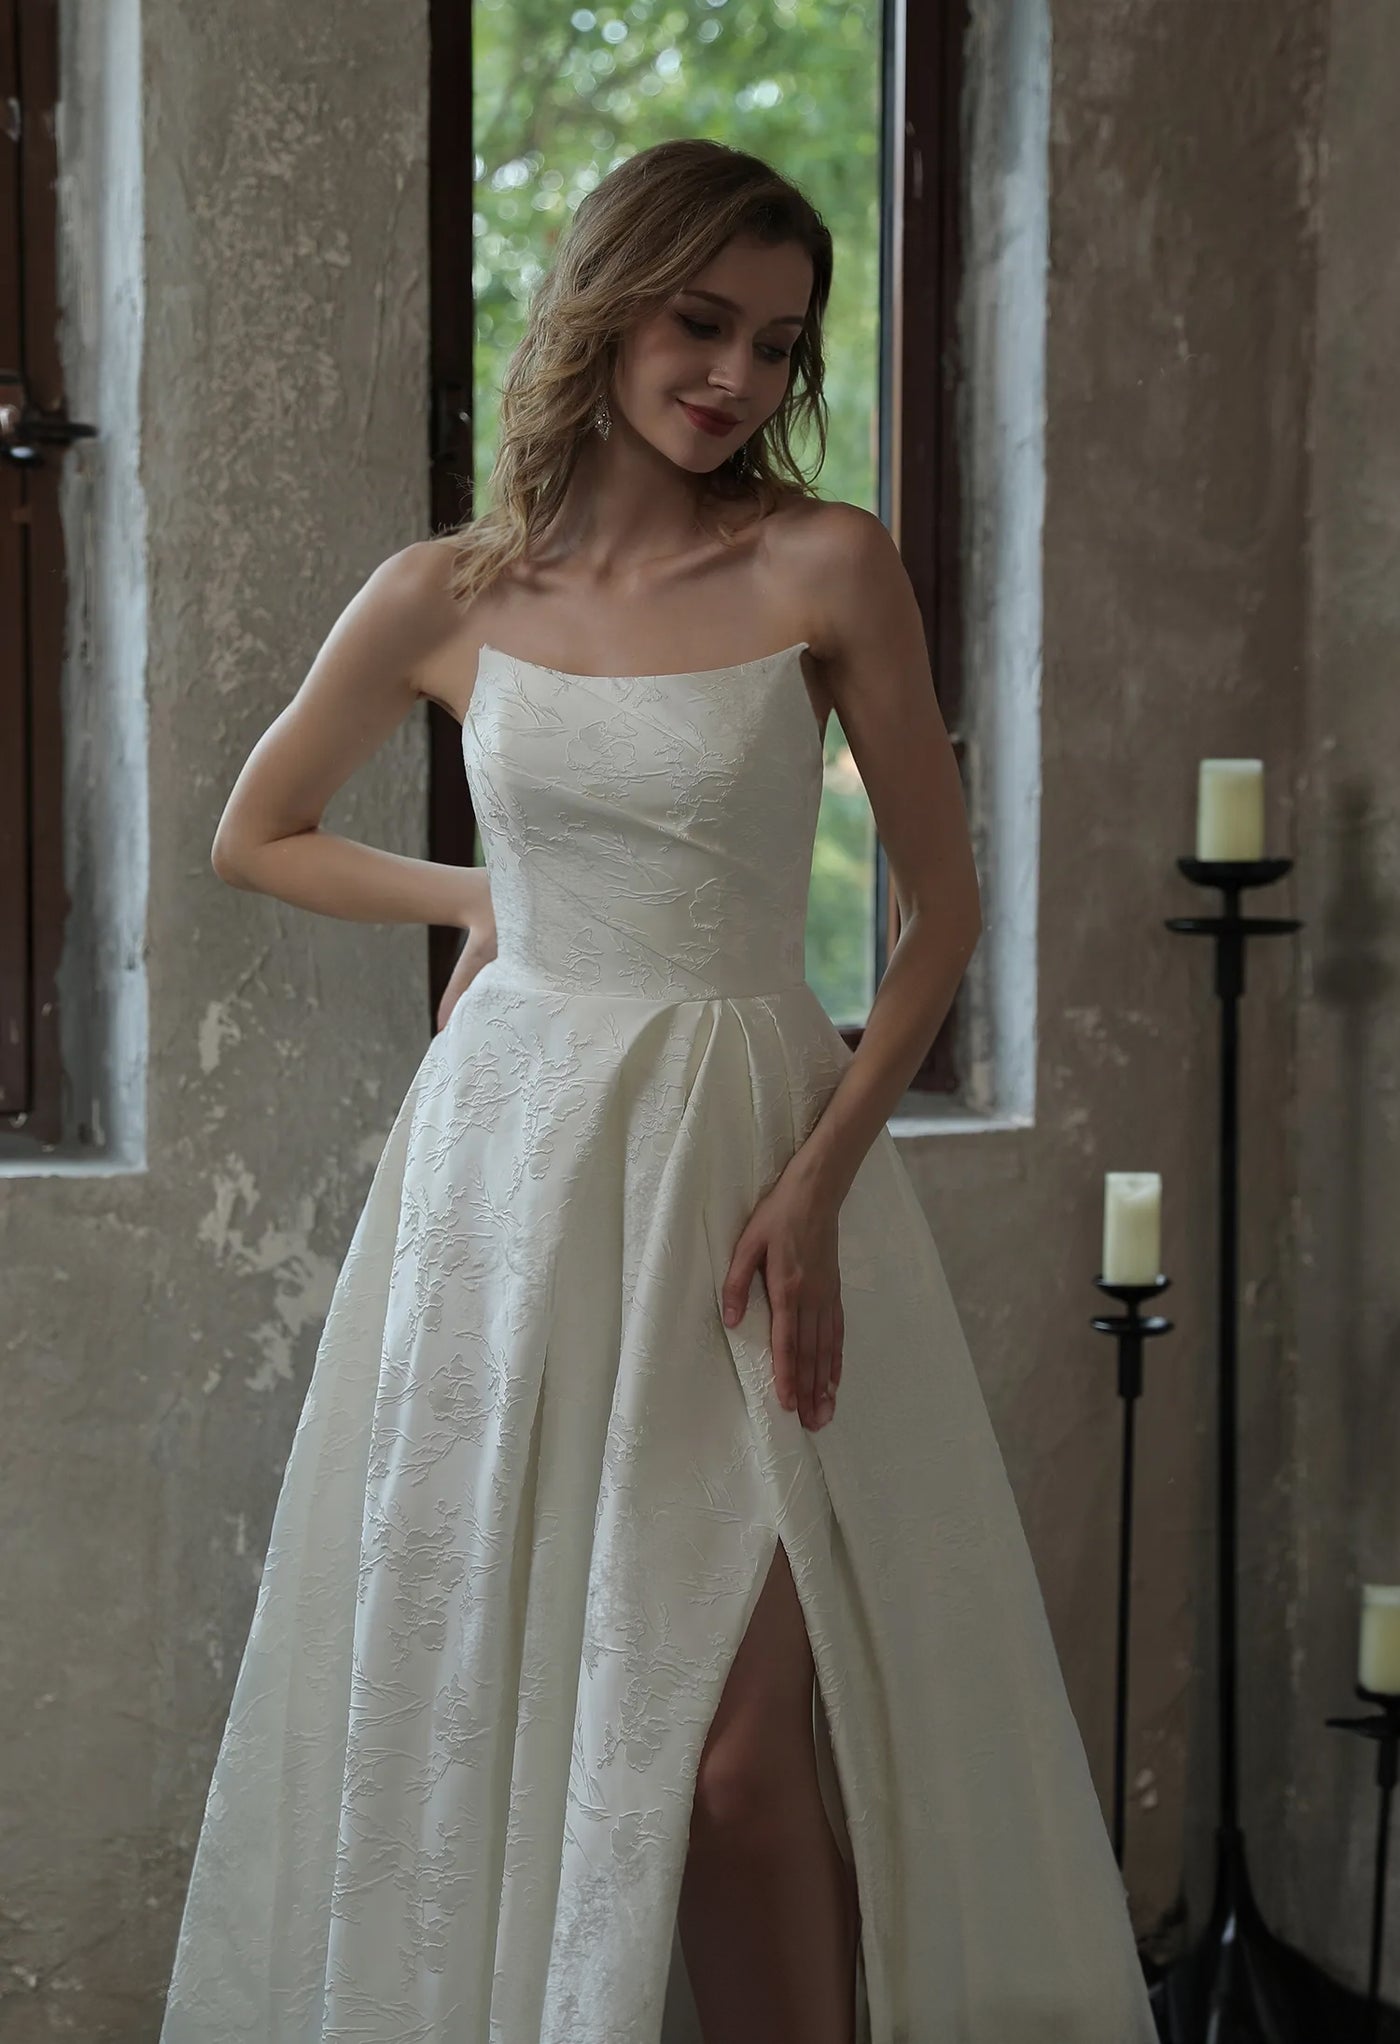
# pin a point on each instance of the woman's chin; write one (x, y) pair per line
(700, 461)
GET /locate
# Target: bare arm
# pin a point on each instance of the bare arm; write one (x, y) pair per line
(876, 663)
(360, 687)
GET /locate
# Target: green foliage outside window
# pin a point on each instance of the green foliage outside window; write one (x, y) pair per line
(559, 99)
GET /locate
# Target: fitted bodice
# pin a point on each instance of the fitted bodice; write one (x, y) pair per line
(647, 834)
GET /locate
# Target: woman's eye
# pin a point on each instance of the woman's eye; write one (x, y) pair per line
(701, 328)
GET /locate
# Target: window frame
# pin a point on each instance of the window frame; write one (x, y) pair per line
(923, 153)
(34, 900)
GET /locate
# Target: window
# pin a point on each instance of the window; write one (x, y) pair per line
(33, 900)
(860, 104)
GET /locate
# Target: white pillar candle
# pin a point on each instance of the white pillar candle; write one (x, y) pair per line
(1379, 1668)
(1230, 809)
(1132, 1227)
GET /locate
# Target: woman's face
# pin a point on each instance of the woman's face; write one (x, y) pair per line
(721, 347)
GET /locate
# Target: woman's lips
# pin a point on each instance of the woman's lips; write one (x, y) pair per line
(708, 422)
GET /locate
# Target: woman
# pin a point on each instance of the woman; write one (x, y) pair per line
(606, 1609)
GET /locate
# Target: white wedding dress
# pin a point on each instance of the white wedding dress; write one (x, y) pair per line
(536, 1482)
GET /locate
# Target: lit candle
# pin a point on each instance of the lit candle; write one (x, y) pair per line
(1230, 809)
(1132, 1227)
(1380, 1638)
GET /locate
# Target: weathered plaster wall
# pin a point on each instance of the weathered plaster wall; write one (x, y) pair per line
(159, 1325)
(1176, 522)
(1346, 1501)
(1177, 377)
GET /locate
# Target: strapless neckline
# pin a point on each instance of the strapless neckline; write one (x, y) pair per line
(705, 674)
(682, 674)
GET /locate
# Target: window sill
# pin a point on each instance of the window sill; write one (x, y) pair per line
(957, 1121)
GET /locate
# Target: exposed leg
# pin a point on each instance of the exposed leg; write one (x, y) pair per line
(769, 1912)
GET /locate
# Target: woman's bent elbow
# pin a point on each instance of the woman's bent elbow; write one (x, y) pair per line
(225, 864)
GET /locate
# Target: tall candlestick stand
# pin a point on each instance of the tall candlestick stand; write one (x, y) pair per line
(1237, 1985)
(1241, 1984)
(1131, 1331)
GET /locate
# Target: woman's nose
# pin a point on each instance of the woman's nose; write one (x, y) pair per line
(731, 369)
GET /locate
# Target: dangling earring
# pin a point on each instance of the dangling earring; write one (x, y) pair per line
(743, 460)
(602, 419)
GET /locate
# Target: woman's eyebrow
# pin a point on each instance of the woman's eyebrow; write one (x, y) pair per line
(717, 298)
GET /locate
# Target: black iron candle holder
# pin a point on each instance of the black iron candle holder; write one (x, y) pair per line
(1131, 1330)
(1238, 1986)
(1384, 1727)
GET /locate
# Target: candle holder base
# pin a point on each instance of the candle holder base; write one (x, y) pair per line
(1240, 1984)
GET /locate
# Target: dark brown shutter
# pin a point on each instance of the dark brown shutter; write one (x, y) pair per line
(921, 483)
(33, 899)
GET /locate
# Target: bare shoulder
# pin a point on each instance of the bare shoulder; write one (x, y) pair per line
(844, 566)
(832, 535)
(417, 581)
(418, 619)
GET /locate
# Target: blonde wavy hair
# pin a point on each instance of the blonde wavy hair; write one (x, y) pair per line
(639, 235)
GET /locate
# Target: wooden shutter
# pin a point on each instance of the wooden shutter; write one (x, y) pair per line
(33, 898)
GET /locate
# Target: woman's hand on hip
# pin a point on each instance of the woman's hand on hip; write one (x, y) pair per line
(793, 1233)
(479, 950)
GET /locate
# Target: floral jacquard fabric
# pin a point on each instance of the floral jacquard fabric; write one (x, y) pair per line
(536, 1482)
